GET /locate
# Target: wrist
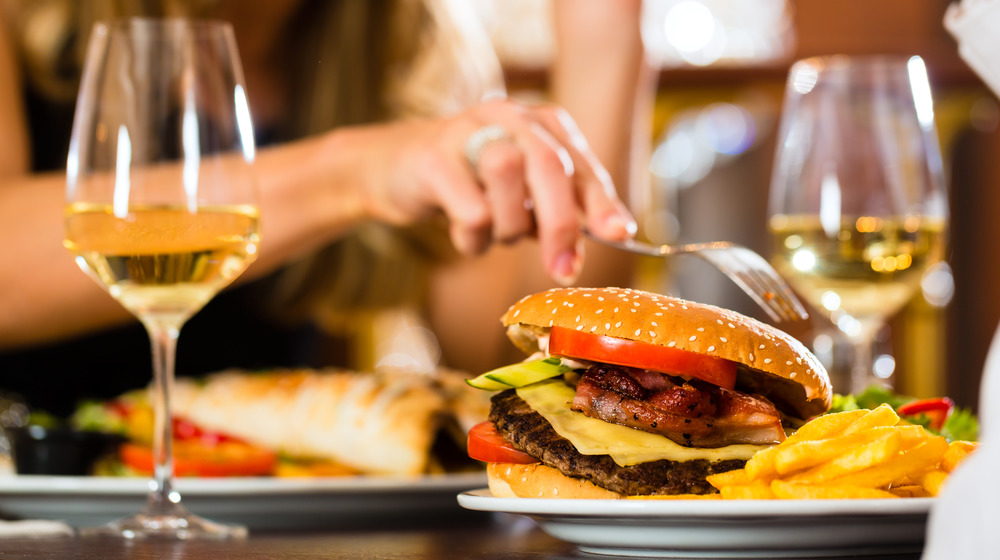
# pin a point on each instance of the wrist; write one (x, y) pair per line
(341, 185)
(308, 196)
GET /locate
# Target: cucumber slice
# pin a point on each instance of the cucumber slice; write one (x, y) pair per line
(482, 382)
(519, 375)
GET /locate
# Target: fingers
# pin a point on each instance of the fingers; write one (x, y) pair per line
(604, 212)
(549, 172)
(569, 188)
(501, 172)
(539, 178)
(460, 197)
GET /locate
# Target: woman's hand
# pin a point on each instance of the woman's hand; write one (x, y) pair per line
(530, 174)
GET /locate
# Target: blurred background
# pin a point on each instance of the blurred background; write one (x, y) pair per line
(723, 65)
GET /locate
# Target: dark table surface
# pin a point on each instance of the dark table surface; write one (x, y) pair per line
(478, 536)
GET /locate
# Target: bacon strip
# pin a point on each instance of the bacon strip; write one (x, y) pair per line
(694, 416)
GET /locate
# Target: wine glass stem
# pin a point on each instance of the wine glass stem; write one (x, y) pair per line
(162, 500)
(861, 364)
(862, 369)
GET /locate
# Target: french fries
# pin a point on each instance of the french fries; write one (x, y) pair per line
(957, 451)
(854, 454)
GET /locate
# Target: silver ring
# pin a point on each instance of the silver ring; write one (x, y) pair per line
(480, 139)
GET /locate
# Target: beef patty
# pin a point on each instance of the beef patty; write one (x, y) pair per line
(530, 432)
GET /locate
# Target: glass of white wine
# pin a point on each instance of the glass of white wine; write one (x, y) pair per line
(858, 206)
(161, 204)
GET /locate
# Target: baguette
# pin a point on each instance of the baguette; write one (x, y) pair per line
(381, 423)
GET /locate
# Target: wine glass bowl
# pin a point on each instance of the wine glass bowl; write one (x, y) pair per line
(858, 207)
(161, 204)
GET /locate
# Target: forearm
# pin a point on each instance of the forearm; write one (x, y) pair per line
(601, 76)
(43, 295)
(306, 199)
(309, 196)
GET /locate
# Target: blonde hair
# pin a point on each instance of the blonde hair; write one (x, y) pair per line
(51, 35)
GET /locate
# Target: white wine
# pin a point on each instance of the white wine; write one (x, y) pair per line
(867, 266)
(162, 262)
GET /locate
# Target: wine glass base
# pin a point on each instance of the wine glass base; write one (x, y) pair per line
(166, 527)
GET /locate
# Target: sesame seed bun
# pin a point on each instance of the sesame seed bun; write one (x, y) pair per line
(535, 480)
(777, 365)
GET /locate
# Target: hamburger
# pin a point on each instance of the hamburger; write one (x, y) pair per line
(629, 393)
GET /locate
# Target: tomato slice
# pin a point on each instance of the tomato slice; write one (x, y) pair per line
(936, 410)
(571, 343)
(192, 458)
(486, 445)
(185, 429)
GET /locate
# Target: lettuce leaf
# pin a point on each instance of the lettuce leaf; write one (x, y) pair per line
(961, 424)
(95, 416)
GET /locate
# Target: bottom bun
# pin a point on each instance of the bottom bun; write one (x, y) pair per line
(535, 480)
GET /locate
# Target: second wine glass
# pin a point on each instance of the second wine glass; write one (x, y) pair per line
(161, 205)
(858, 208)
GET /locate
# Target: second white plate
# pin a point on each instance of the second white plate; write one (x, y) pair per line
(723, 528)
(259, 503)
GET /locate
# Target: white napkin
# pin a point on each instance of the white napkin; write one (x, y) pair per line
(975, 24)
(34, 528)
(965, 520)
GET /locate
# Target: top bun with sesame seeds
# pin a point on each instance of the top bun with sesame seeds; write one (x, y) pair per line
(771, 363)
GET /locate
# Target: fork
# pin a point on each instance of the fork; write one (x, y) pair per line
(747, 269)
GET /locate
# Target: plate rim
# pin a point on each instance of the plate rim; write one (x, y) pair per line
(481, 499)
(720, 528)
(81, 486)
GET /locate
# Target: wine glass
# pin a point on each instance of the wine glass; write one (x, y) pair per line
(161, 205)
(858, 208)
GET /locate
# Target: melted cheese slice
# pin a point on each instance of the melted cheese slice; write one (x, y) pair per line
(627, 446)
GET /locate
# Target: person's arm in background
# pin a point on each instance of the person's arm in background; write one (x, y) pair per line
(311, 192)
(38, 278)
(600, 75)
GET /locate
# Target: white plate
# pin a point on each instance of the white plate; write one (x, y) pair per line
(723, 528)
(259, 503)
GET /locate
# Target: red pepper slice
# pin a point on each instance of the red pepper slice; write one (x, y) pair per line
(936, 410)
(184, 429)
(191, 458)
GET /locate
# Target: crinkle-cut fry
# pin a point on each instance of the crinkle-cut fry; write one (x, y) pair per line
(862, 456)
(906, 463)
(957, 452)
(790, 491)
(729, 478)
(806, 454)
(933, 480)
(747, 492)
(883, 415)
(910, 491)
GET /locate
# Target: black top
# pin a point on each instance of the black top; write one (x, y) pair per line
(232, 331)
(229, 332)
